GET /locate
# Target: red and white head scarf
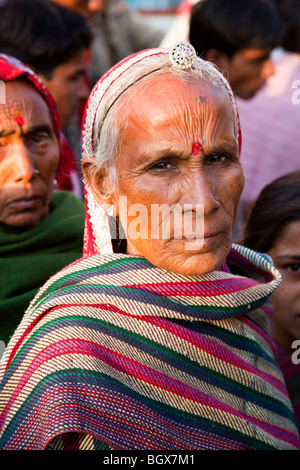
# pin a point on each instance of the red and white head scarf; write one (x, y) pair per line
(12, 69)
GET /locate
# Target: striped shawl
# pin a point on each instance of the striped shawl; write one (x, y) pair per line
(134, 357)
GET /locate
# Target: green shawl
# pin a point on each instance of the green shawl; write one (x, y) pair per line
(29, 257)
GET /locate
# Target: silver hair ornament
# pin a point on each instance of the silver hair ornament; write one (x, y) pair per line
(182, 55)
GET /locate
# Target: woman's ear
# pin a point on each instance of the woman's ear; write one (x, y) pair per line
(97, 178)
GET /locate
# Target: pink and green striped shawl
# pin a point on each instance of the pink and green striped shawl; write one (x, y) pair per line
(114, 353)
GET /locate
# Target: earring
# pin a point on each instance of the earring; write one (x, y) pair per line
(110, 211)
(99, 239)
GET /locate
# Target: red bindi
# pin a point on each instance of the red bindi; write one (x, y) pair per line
(196, 148)
(18, 118)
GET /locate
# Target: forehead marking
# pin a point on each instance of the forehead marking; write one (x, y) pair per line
(196, 148)
(201, 99)
(18, 118)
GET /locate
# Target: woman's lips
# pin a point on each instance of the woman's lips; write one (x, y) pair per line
(198, 242)
(194, 238)
(25, 203)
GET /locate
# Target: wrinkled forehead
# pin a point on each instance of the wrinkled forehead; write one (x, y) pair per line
(173, 85)
(194, 97)
(23, 106)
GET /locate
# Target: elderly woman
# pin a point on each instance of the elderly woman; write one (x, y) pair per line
(40, 231)
(163, 345)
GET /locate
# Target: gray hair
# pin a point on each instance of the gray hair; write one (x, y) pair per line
(107, 137)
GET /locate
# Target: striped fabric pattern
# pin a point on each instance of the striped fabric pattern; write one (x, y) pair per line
(119, 354)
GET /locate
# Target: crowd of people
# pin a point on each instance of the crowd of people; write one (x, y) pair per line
(149, 226)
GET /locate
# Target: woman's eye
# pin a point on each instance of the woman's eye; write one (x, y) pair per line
(216, 159)
(39, 138)
(161, 165)
(294, 267)
(39, 141)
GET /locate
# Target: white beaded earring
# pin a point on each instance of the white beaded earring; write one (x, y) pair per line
(99, 223)
(110, 211)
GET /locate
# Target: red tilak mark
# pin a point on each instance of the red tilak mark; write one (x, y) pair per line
(18, 119)
(196, 148)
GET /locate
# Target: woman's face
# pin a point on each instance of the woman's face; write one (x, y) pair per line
(179, 175)
(285, 323)
(29, 155)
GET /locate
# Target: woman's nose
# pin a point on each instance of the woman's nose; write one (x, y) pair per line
(201, 190)
(23, 166)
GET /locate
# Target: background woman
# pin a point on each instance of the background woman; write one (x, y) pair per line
(40, 231)
(165, 345)
(274, 228)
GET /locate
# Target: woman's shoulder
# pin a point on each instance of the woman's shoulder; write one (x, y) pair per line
(250, 263)
(248, 270)
(66, 199)
(66, 210)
